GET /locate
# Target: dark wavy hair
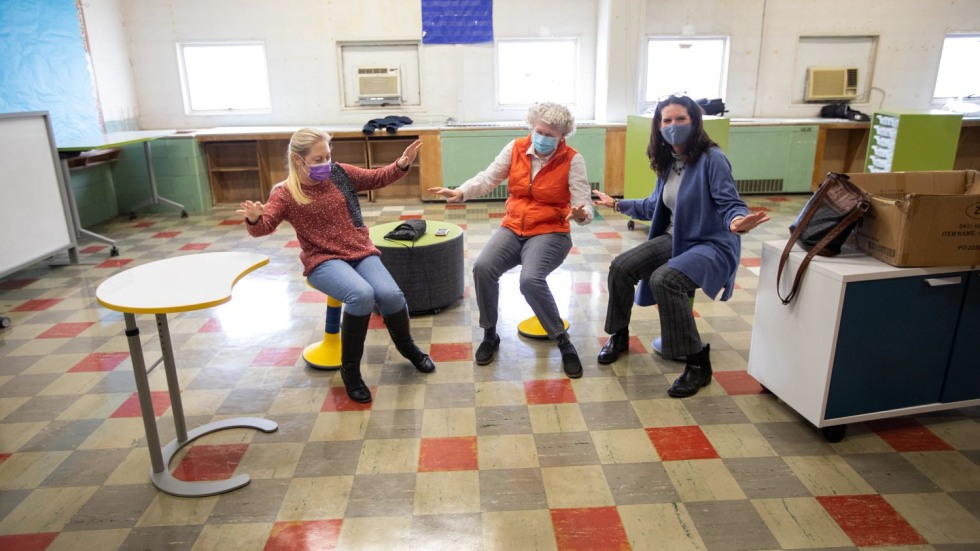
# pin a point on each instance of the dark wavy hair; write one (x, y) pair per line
(660, 152)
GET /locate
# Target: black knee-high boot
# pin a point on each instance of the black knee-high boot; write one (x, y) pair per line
(353, 330)
(401, 335)
(697, 373)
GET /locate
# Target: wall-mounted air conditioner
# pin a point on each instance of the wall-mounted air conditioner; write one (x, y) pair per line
(831, 83)
(379, 85)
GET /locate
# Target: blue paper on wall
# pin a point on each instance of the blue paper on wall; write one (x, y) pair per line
(457, 21)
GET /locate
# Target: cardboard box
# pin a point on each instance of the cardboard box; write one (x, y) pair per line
(921, 218)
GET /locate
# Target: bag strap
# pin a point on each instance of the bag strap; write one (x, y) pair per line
(851, 217)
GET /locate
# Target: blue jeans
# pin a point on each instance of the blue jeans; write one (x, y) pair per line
(359, 285)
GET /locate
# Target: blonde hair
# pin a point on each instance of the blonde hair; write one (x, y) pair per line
(555, 114)
(301, 143)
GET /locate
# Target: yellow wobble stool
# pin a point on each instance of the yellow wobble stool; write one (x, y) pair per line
(532, 328)
(326, 353)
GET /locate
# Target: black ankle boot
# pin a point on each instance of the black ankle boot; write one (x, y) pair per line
(618, 343)
(570, 363)
(488, 348)
(353, 330)
(697, 373)
(401, 335)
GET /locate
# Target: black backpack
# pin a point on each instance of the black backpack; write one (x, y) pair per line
(841, 110)
(711, 106)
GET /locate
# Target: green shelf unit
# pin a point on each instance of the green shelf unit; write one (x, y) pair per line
(467, 152)
(638, 176)
(912, 141)
(773, 159)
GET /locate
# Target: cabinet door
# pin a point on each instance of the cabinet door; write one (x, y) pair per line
(893, 344)
(963, 378)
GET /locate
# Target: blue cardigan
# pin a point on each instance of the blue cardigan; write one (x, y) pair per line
(704, 248)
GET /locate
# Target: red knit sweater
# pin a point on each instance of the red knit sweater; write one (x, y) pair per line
(331, 226)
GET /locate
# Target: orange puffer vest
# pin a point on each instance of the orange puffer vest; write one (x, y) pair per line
(538, 207)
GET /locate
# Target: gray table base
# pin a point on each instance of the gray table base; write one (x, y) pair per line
(160, 456)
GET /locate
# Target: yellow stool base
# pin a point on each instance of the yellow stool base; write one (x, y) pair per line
(532, 329)
(324, 354)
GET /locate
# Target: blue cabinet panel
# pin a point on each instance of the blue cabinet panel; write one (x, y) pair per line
(881, 366)
(963, 379)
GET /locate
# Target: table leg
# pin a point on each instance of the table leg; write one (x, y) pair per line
(143, 391)
(173, 385)
(154, 194)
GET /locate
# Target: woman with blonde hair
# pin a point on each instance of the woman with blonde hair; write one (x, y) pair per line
(547, 187)
(319, 199)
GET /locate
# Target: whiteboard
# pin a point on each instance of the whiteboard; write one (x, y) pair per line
(35, 221)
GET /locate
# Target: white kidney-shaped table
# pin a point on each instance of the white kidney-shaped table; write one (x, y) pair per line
(172, 285)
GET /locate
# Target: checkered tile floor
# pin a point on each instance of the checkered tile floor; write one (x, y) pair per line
(508, 456)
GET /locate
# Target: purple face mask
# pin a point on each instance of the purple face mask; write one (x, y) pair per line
(321, 172)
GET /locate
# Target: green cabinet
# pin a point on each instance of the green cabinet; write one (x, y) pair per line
(467, 152)
(906, 142)
(773, 159)
(638, 176)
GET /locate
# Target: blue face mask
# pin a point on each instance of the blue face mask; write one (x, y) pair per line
(676, 134)
(543, 144)
(321, 172)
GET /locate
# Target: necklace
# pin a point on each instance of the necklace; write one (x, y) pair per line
(678, 167)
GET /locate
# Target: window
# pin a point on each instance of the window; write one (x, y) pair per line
(536, 70)
(224, 77)
(958, 76)
(696, 65)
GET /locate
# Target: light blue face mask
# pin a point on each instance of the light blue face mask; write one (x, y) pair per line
(543, 144)
(676, 134)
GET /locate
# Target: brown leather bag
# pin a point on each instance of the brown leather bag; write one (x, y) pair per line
(824, 224)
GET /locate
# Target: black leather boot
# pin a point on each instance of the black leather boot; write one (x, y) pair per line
(353, 330)
(401, 335)
(570, 362)
(697, 373)
(618, 343)
(488, 348)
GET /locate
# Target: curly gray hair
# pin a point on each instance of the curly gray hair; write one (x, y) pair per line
(555, 114)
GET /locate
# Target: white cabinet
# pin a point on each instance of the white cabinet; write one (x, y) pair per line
(864, 340)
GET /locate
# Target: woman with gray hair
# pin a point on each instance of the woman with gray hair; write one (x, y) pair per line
(547, 188)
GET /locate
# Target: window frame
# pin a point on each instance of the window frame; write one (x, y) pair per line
(185, 81)
(941, 100)
(576, 72)
(642, 84)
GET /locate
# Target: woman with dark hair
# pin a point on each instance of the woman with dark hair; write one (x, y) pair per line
(696, 217)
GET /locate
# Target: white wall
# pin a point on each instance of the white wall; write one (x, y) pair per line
(109, 51)
(458, 80)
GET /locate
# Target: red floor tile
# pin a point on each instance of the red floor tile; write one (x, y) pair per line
(451, 352)
(114, 263)
(16, 283)
(495, 215)
(870, 521)
(608, 235)
(595, 529)
(759, 208)
(376, 321)
(549, 391)
(681, 443)
(410, 217)
(588, 288)
(235, 222)
(37, 305)
(455, 206)
(131, 407)
(448, 454)
(574, 250)
(143, 224)
(91, 249)
(166, 234)
(304, 535)
(210, 462)
(312, 296)
(213, 325)
(751, 262)
(99, 361)
(905, 434)
(338, 400)
(277, 357)
(65, 330)
(194, 247)
(737, 382)
(4, 457)
(27, 542)
(636, 345)
(294, 244)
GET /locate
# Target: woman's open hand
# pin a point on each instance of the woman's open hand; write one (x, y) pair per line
(746, 224)
(408, 156)
(578, 212)
(451, 195)
(603, 199)
(251, 210)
